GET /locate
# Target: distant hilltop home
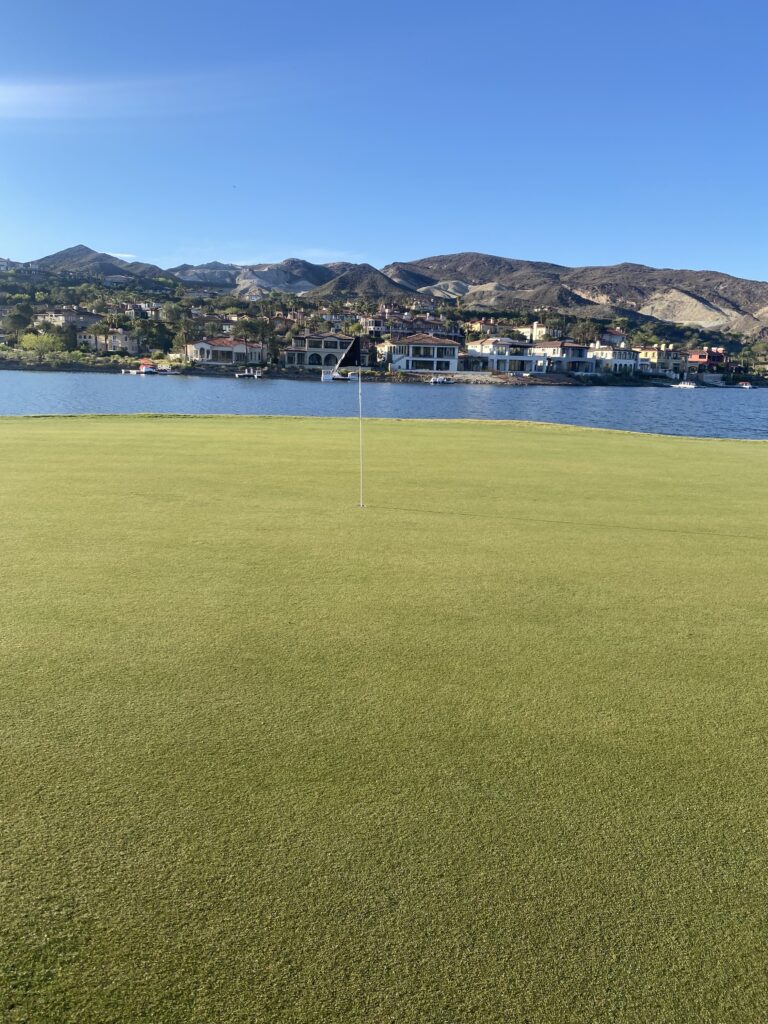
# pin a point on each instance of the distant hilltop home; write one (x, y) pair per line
(318, 350)
(117, 340)
(65, 317)
(613, 336)
(331, 317)
(226, 350)
(538, 332)
(404, 325)
(420, 353)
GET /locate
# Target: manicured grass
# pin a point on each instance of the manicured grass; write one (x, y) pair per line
(493, 749)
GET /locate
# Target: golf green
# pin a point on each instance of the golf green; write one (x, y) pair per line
(492, 749)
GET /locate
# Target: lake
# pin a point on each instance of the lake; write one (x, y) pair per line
(704, 412)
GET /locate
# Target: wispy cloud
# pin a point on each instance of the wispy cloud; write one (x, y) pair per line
(123, 255)
(27, 99)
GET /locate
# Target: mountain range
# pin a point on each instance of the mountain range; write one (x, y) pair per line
(701, 298)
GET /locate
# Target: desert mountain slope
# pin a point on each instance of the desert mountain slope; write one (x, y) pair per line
(696, 297)
(703, 298)
(362, 281)
(79, 259)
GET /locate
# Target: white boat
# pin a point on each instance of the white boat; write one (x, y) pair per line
(440, 380)
(687, 384)
(249, 373)
(745, 385)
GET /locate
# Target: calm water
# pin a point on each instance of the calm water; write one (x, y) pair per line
(705, 412)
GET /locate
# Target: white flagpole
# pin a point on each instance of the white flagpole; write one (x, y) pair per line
(360, 418)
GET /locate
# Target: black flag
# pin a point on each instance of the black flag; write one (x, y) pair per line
(351, 355)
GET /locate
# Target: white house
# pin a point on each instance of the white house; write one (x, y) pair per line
(613, 336)
(116, 340)
(565, 356)
(226, 350)
(421, 353)
(504, 355)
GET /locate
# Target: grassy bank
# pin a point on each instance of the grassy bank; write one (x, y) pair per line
(492, 749)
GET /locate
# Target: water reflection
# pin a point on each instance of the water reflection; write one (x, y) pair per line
(705, 412)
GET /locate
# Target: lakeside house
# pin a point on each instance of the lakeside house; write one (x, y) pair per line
(503, 355)
(663, 360)
(712, 358)
(226, 350)
(610, 357)
(420, 353)
(564, 356)
(320, 350)
(116, 340)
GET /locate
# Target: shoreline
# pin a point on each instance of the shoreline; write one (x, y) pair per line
(476, 378)
(460, 421)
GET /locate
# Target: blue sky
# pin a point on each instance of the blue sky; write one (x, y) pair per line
(579, 133)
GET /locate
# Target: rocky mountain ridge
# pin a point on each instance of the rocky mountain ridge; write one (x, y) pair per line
(487, 283)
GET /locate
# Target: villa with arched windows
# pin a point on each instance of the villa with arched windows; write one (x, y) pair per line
(316, 351)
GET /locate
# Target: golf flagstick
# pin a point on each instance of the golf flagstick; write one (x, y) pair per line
(360, 417)
(352, 359)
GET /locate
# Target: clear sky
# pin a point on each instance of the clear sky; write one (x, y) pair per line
(245, 131)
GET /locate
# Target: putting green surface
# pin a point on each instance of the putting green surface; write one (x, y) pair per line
(493, 749)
